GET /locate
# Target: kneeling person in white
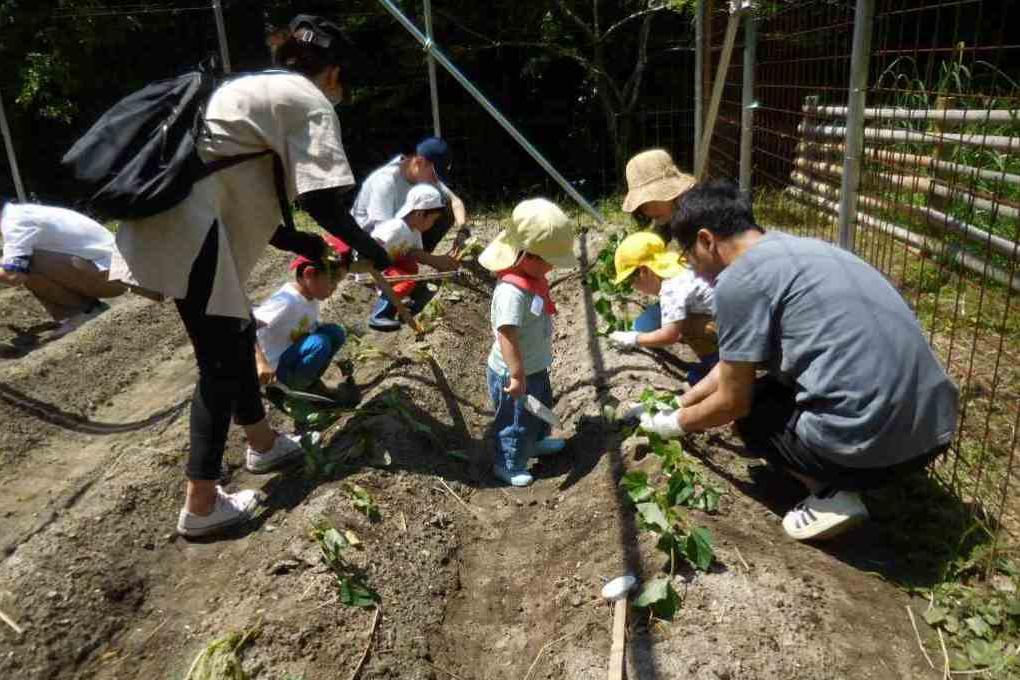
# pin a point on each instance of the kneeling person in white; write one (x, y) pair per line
(62, 257)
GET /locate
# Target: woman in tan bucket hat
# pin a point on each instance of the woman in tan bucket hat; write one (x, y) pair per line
(653, 184)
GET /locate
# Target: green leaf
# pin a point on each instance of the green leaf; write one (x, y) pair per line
(333, 544)
(935, 616)
(363, 501)
(978, 626)
(709, 500)
(984, 653)
(951, 624)
(698, 548)
(669, 543)
(680, 490)
(636, 485)
(652, 517)
(353, 593)
(660, 596)
(459, 455)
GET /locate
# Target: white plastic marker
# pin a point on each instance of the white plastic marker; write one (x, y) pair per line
(533, 406)
(616, 592)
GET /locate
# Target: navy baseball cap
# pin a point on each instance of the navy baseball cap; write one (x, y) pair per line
(437, 152)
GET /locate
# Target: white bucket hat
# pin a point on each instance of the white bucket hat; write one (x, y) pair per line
(652, 176)
(420, 197)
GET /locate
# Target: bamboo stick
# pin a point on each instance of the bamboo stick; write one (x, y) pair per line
(924, 243)
(946, 116)
(1003, 246)
(921, 184)
(890, 156)
(997, 142)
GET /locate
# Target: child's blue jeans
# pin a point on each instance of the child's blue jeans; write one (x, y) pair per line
(306, 360)
(514, 430)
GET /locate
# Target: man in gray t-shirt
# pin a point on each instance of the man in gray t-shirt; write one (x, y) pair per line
(854, 396)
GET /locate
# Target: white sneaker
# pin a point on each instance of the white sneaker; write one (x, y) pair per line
(826, 516)
(73, 323)
(229, 509)
(286, 449)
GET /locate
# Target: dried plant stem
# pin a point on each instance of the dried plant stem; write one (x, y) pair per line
(913, 622)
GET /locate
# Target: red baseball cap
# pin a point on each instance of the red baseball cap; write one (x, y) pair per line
(337, 244)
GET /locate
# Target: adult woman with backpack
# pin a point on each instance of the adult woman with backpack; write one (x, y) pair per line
(201, 251)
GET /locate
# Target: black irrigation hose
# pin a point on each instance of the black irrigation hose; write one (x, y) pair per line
(54, 415)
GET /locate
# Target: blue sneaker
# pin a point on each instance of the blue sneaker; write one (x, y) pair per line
(513, 478)
(384, 316)
(549, 446)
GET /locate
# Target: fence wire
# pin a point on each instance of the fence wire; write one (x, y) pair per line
(939, 199)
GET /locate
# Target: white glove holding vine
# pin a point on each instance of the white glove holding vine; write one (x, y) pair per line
(665, 424)
(624, 339)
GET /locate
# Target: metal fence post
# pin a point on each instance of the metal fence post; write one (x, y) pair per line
(482, 100)
(434, 90)
(859, 59)
(699, 40)
(11, 158)
(221, 35)
(747, 101)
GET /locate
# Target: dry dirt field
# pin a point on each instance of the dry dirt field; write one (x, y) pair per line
(477, 581)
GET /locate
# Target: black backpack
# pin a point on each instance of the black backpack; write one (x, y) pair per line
(139, 159)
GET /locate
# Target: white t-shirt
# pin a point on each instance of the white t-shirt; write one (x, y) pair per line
(382, 195)
(684, 295)
(397, 238)
(27, 228)
(284, 318)
(281, 111)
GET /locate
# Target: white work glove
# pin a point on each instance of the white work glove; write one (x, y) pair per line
(624, 339)
(666, 424)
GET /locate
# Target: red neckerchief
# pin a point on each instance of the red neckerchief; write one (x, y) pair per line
(530, 284)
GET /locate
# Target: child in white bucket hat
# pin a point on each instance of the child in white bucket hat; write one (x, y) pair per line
(538, 239)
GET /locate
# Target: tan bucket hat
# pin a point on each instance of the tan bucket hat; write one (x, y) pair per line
(537, 226)
(652, 176)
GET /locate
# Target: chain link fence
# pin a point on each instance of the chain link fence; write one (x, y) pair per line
(938, 201)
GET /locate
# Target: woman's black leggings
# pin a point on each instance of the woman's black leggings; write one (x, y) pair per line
(228, 383)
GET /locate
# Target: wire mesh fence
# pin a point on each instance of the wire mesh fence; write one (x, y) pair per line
(938, 205)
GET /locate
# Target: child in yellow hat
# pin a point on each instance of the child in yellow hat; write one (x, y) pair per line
(538, 239)
(686, 300)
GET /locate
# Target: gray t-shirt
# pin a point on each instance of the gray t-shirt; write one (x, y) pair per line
(383, 194)
(380, 196)
(512, 306)
(869, 388)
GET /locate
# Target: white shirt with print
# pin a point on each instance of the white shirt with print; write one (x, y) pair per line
(684, 295)
(397, 238)
(285, 318)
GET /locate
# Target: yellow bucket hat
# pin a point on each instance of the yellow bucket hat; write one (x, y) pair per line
(652, 176)
(645, 249)
(537, 226)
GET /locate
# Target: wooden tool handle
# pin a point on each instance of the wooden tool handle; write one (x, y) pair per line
(619, 640)
(387, 290)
